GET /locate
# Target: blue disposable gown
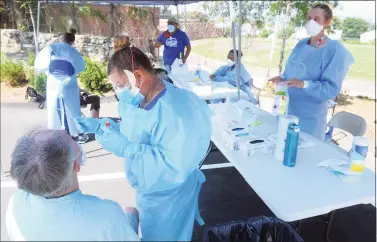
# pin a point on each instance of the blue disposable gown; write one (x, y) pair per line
(325, 69)
(63, 98)
(166, 145)
(226, 74)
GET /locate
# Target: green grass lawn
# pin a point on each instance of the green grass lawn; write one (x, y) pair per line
(258, 54)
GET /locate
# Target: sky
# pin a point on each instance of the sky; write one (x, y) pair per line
(358, 9)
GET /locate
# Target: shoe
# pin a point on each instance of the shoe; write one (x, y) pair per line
(82, 138)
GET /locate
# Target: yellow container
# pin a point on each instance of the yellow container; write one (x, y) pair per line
(357, 166)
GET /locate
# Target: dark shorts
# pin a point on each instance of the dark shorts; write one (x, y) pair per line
(94, 100)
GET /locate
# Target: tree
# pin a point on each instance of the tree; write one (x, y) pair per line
(295, 12)
(354, 27)
(202, 17)
(298, 9)
(252, 11)
(372, 26)
(336, 24)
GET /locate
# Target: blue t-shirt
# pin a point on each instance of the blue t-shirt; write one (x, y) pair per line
(75, 216)
(173, 45)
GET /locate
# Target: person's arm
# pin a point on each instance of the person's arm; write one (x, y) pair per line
(245, 77)
(220, 72)
(188, 51)
(159, 41)
(42, 60)
(330, 83)
(119, 228)
(187, 44)
(158, 44)
(167, 164)
(79, 62)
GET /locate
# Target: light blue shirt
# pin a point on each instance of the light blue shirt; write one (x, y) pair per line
(75, 216)
(226, 73)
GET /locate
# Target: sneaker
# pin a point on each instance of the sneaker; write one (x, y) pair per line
(82, 138)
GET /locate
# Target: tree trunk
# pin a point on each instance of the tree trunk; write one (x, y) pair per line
(74, 18)
(18, 14)
(34, 28)
(282, 53)
(112, 24)
(13, 13)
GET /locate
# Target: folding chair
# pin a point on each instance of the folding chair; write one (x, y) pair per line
(348, 122)
(205, 157)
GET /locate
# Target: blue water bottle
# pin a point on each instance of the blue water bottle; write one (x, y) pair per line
(291, 145)
(329, 134)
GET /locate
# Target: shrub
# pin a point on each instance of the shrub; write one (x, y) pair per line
(264, 33)
(40, 83)
(12, 72)
(94, 78)
(31, 59)
(36, 80)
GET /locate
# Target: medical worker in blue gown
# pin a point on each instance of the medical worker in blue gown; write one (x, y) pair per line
(163, 135)
(314, 73)
(228, 74)
(62, 90)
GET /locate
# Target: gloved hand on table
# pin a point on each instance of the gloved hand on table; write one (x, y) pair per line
(112, 139)
(92, 125)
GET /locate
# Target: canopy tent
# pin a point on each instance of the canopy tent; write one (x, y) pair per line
(156, 3)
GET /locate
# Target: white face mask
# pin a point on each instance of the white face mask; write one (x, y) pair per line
(230, 62)
(83, 156)
(313, 28)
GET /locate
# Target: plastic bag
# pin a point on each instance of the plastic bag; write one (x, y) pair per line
(259, 229)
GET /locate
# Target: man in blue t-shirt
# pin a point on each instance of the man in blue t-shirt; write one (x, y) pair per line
(174, 41)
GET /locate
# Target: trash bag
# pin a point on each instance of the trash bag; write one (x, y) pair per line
(259, 229)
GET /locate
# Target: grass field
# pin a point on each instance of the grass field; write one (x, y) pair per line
(256, 53)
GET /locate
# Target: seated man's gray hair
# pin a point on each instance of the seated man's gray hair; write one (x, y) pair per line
(42, 162)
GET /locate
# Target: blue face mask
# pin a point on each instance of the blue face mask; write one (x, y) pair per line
(131, 97)
(171, 28)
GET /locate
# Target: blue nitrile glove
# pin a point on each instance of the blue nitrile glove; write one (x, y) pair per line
(112, 139)
(92, 125)
(88, 125)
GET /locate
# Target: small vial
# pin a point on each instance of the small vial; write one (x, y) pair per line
(107, 124)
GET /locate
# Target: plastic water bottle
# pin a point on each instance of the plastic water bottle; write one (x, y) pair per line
(329, 134)
(198, 70)
(358, 153)
(291, 145)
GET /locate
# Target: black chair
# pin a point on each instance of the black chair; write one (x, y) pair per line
(259, 229)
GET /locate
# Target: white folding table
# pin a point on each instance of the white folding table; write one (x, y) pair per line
(205, 89)
(300, 192)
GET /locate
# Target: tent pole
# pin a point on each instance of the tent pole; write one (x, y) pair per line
(239, 48)
(273, 45)
(235, 52)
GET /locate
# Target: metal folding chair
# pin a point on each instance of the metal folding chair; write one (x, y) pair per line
(348, 122)
(205, 157)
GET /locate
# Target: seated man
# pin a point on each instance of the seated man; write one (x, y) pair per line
(94, 100)
(228, 74)
(49, 204)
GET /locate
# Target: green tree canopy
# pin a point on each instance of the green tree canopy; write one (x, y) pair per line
(354, 27)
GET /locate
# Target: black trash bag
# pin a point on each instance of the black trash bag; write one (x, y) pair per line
(259, 229)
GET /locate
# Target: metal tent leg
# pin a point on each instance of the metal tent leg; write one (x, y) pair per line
(298, 226)
(329, 222)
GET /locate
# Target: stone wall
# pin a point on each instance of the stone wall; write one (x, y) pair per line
(14, 41)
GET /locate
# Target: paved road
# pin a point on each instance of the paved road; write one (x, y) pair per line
(225, 195)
